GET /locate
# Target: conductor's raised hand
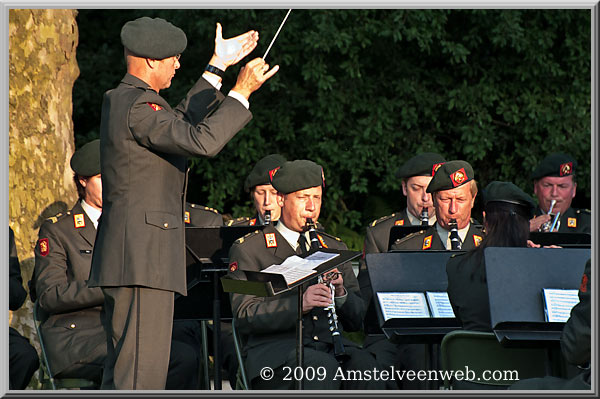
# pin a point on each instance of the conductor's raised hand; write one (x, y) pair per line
(229, 52)
(252, 76)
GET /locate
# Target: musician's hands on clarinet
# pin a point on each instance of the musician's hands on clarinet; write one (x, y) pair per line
(316, 296)
(338, 283)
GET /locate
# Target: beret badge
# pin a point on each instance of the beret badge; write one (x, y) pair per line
(458, 177)
(566, 168)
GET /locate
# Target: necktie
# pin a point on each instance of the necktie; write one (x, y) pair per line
(301, 248)
(455, 238)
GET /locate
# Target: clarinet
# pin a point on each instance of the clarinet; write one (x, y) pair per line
(338, 346)
(424, 217)
(267, 217)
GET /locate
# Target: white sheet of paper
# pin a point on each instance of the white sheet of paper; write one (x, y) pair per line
(558, 304)
(402, 305)
(319, 258)
(293, 269)
(439, 302)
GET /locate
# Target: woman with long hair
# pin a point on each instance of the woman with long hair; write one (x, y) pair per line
(507, 210)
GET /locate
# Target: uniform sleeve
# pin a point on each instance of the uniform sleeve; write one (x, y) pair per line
(17, 293)
(260, 315)
(56, 293)
(576, 337)
(370, 247)
(352, 312)
(200, 125)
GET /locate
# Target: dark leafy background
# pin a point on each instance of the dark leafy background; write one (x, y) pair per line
(361, 91)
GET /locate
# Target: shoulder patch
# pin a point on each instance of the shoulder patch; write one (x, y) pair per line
(43, 246)
(154, 106)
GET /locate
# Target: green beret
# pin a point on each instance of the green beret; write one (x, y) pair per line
(153, 38)
(557, 165)
(421, 165)
(298, 175)
(506, 196)
(86, 160)
(263, 171)
(450, 175)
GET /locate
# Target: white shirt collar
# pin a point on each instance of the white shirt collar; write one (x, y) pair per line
(93, 213)
(445, 234)
(414, 221)
(290, 236)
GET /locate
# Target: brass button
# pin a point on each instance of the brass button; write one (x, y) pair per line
(316, 338)
(166, 225)
(315, 318)
(72, 325)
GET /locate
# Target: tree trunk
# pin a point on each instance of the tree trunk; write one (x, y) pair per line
(42, 70)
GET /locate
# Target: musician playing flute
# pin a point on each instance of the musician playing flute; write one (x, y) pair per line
(268, 325)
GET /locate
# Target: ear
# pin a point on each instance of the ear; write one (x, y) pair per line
(473, 201)
(574, 190)
(82, 181)
(404, 189)
(280, 199)
(152, 64)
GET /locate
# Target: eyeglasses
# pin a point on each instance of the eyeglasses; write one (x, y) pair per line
(177, 57)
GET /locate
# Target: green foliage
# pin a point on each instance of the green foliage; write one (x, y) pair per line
(361, 91)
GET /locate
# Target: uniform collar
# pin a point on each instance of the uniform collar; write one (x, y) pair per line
(445, 234)
(414, 221)
(290, 236)
(93, 213)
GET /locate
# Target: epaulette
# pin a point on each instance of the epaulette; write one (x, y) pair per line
(586, 211)
(57, 217)
(238, 220)
(381, 219)
(241, 239)
(206, 208)
(411, 235)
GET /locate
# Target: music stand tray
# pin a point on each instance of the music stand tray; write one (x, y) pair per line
(411, 271)
(515, 279)
(565, 240)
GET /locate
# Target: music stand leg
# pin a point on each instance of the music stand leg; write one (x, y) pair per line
(299, 339)
(217, 331)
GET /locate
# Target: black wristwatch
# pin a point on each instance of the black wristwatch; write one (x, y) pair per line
(213, 69)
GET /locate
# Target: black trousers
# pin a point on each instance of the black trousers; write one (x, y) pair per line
(23, 360)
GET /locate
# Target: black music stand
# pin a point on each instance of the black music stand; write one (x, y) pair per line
(399, 232)
(207, 258)
(412, 271)
(271, 284)
(565, 240)
(515, 279)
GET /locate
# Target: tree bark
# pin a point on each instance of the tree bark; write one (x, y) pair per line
(42, 70)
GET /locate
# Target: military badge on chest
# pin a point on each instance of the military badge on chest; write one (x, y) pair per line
(271, 240)
(79, 220)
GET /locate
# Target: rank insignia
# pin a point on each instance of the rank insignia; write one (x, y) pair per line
(566, 168)
(252, 222)
(79, 220)
(233, 266)
(572, 222)
(458, 177)
(399, 222)
(435, 168)
(44, 246)
(272, 172)
(186, 217)
(322, 241)
(155, 107)
(477, 239)
(584, 281)
(271, 240)
(427, 242)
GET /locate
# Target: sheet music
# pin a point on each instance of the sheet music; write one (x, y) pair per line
(402, 305)
(319, 258)
(558, 304)
(439, 303)
(293, 269)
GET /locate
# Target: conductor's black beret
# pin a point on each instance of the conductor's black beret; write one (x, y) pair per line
(557, 165)
(298, 175)
(450, 175)
(86, 160)
(153, 38)
(263, 171)
(423, 164)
